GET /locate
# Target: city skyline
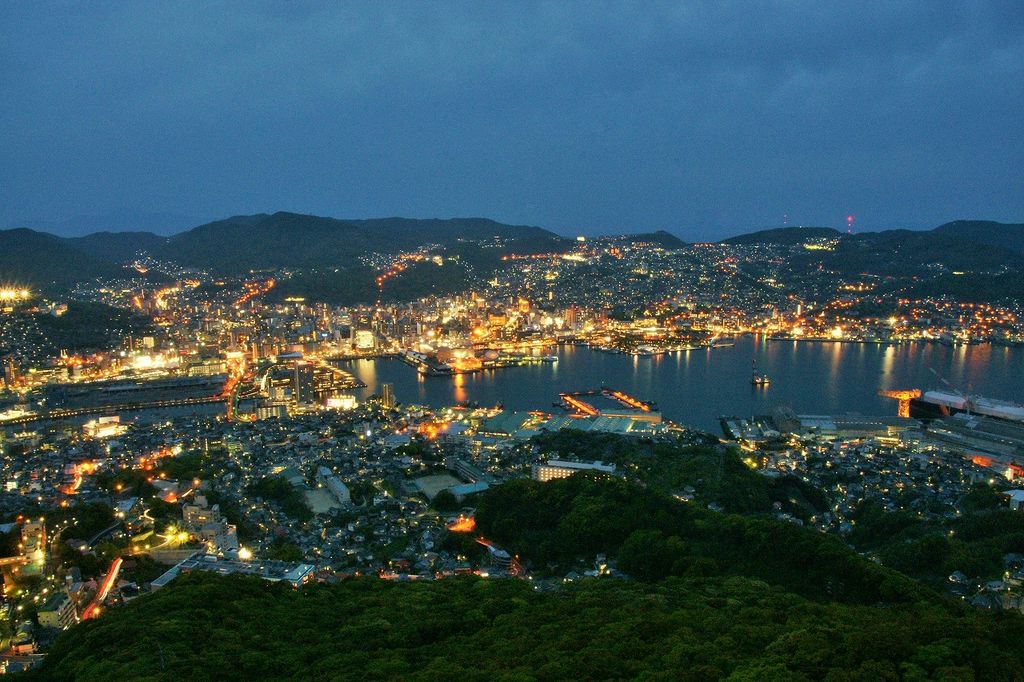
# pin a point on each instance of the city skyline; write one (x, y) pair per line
(537, 340)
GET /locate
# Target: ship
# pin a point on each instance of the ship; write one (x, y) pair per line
(759, 378)
(938, 404)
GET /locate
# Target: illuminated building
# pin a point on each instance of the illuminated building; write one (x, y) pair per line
(195, 516)
(207, 367)
(387, 396)
(296, 574)
(304, 388)
(271, 412)
(342, 402)
(572, 317)
(58, 612)
(556, 468)
(10, 372)
(104, 427)
(334, 485)
(365, 340)
(33, 544)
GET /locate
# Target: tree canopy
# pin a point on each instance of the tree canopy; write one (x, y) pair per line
(204, 627)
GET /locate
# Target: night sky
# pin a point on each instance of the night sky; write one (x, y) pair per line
(705, 119)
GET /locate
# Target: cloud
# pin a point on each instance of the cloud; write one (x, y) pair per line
(700, 118)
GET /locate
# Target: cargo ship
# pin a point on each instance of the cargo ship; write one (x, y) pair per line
(938, 404)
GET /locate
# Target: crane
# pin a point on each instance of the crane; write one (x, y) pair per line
(967, 399)
(904, 397)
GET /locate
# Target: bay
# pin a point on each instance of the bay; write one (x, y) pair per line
(696, 387)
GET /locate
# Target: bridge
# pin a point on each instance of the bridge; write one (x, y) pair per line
(114, 409)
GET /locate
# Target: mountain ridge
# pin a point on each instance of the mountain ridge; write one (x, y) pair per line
(284, 239)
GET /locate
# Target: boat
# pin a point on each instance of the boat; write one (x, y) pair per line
(759, 378)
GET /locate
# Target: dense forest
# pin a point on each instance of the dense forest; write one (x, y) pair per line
(559, 523)
(204, 627)
(930, 549)
(714, 472)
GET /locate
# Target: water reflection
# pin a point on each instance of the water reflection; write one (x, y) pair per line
(696, 387)
(459, 381)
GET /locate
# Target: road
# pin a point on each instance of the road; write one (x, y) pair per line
(113, 409)
(109, 580)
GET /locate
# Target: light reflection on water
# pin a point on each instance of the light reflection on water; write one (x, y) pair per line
(696, 387)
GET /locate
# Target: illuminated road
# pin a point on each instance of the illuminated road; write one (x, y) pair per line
(93, 610)
(113, 409)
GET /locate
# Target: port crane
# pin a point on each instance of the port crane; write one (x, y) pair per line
(967, 399)
(904, 397)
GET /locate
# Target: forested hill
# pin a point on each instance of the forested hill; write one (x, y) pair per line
(1003, 236)
(243, 243)
(43, 261)
(710, 596)
(203, 627)
(295, 240)
(953, 246)
(784, 235)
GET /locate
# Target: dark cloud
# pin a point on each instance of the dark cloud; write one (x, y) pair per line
(701, 118)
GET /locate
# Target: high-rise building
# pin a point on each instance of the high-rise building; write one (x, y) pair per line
(304, 386)
(572, 317)
(10, 372)
(387, 396)
(33, 543)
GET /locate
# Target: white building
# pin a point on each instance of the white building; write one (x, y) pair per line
(557, 468)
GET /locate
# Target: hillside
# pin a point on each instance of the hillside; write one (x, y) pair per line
(953, 246)
(242, 243)
(83, 327)
(653, 536)
(661, 237)
(46, 262)
(973, 288)
(1001, 235)
(905, 252)
(711, 596)
(294, 240)
(785, 236)
(203, 627)
(895, 253)
(118, 247)
(329, 249)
